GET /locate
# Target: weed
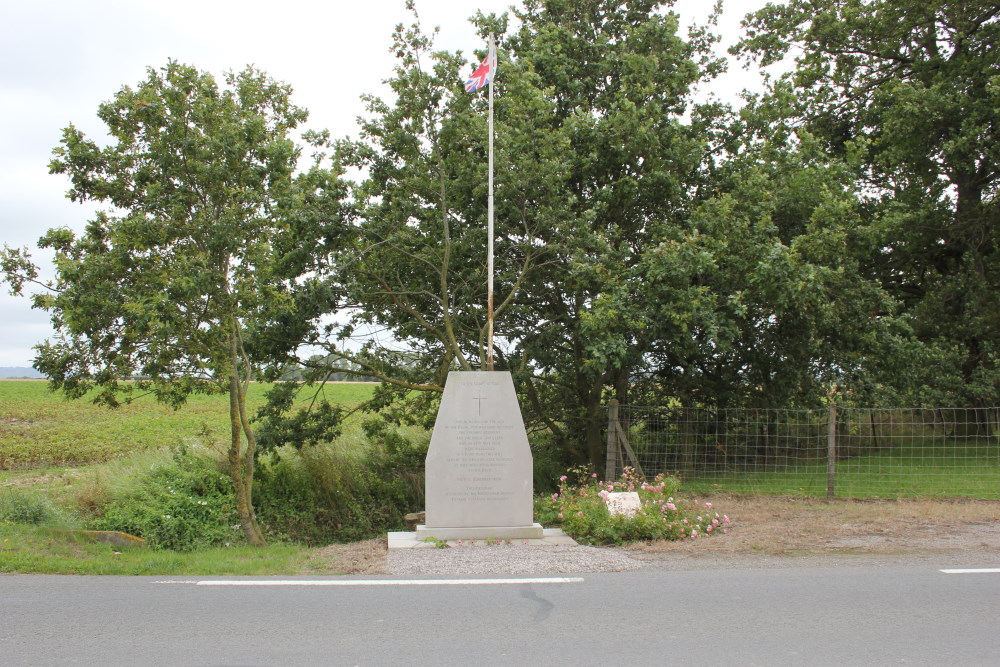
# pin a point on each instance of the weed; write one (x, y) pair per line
(182, 505)
(17, 507)
(438, 544)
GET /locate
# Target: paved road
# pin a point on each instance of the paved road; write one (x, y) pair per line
(790, 616)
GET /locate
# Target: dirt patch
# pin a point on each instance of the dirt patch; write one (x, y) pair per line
(366, 557)
(773, 531)
(14, 422)
(46, 480)
(797, 526)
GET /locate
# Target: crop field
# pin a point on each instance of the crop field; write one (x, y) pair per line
(39, 428)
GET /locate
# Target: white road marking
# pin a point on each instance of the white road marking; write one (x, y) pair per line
(985, 570)
(388, 582)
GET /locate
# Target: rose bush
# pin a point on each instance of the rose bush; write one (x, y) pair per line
(580, 508)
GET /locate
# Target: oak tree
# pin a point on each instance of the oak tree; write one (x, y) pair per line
(170, 290)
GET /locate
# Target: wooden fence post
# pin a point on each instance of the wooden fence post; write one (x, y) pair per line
(614, 453)
(831, 451)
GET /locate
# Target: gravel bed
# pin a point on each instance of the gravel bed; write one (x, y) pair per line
(508, 559)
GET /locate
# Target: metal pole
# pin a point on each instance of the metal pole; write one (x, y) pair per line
(489, 213)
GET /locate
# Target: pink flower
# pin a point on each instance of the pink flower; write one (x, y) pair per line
(594, 475)
(708, 506)
(555, 496)
(725, 519)
(563, 478)
(715, 522)
(579, 513)
(560, 515)
(672, 507)
(725, 532)
(708, 529)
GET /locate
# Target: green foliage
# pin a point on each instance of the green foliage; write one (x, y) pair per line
(317, 421)
(18, 507)
(181, 505)
(156, 290)
(590, 149)
(648, 248)
(438, 544)
(905, 93)
(334, 493)
(580, 508)
(176, 284)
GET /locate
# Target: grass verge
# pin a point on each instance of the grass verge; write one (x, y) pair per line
(34, 550)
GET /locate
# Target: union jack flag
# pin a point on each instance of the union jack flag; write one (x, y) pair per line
(481, 76)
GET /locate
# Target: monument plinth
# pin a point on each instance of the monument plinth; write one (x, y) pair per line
(478, 478)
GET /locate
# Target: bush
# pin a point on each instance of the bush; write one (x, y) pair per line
(184, 504)
(580, 508)
(16, 507)
(327, 493)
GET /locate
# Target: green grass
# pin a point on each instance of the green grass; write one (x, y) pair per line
(40, 429)
(913, 469)
(32, 550)
(61, 461)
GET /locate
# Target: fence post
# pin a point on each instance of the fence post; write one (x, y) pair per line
(611, 460)
(831, 450)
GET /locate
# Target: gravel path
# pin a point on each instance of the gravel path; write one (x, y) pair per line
(508, 559)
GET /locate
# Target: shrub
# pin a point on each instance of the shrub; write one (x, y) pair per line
(184, 504)
(580, 508)
(332, 493)
(16, 507)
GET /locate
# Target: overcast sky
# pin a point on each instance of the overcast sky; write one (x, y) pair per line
(59, 59)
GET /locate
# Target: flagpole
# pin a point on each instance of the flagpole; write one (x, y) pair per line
(489, 211)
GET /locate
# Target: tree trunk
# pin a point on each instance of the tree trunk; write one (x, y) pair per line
(596, 421)
(241, 462)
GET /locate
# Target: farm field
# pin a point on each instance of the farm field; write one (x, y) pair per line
(907, 470)
(40, 429)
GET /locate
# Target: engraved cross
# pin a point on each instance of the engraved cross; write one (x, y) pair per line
(479, 398)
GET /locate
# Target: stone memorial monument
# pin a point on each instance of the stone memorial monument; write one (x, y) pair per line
(479, 473)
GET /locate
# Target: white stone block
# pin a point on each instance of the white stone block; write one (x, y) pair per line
(624, 502)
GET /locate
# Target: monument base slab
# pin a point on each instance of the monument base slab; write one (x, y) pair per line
(532, 532)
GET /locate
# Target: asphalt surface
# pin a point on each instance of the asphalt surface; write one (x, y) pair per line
(859, 615)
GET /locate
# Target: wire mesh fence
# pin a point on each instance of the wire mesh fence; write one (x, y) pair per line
(849, 452)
